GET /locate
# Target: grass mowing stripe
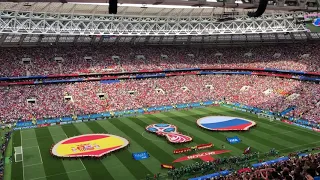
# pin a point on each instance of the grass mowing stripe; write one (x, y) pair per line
(283, 139)
(300, 137)
(124, 156)
(95, 168)
(150, 163)
(58, 172)
(160, 154)
(16, 166)
(271, 140)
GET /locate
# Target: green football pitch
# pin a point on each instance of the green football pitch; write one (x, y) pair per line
(37, 163)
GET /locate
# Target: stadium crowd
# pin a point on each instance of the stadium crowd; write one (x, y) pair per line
(5, 141)
(290, 57)
(296, 168)
(231, 162)
(264, 92)
(268, 93)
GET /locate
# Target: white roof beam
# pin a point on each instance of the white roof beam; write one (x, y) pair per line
(201, 12)
(124, 10)
(73, 8)
(180, 12)
(94, 10)
(46, 7)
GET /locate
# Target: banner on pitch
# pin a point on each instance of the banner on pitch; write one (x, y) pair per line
(140, 155)
(166, 166)
(233, 140)
(188, 149)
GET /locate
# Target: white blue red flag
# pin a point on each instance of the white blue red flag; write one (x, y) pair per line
(225, 123)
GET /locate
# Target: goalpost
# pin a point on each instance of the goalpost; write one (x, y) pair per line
(266, 116)
(18, 154)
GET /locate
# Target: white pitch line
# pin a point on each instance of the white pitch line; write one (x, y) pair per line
(33, 164)
(43, 177)
(283, 132)
(22, 156)
(83, 164)
(43, 137)
(299, 145)
(296, 127)
(40, 154)
(30, 147)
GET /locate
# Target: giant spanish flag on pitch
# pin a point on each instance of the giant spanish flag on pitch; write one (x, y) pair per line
(89, 145)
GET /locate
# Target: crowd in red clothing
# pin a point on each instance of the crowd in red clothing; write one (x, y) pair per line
(304, 168)
(289, 57)
(264, 92)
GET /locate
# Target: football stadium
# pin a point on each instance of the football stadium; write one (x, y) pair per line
(160, 90)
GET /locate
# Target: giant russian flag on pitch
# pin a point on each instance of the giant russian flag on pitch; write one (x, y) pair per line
(225, 123)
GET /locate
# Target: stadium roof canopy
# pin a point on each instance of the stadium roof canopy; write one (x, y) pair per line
(157, 7)
(186, 22)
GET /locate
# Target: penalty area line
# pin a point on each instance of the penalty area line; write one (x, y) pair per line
(40, 155)
(43, 137)
(22, 156)
(44, 177)
(33, 164)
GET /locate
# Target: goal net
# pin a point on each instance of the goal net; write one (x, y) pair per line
(266, 116)
(18, 154)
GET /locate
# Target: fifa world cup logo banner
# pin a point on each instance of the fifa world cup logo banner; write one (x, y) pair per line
(170, 132)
